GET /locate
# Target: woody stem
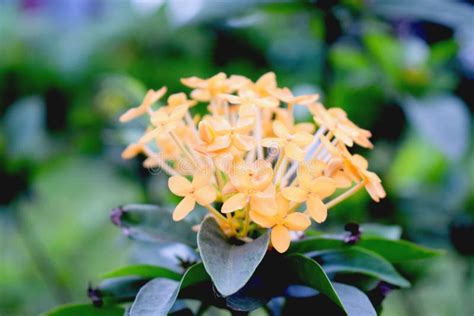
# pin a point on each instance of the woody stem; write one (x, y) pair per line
(345, 195)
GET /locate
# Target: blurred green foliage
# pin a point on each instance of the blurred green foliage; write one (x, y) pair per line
(403, 70)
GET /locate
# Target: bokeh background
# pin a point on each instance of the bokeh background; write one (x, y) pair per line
(403, 69)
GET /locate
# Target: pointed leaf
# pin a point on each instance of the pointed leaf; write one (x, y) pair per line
(152, 223)
(316, 243)
(359, 260)
(155, 298)
(144, 271)
(310, 273)
(230, 266)
(85, 309)
(397, 251)
(117, 290)
(354, 300)
(158, 296)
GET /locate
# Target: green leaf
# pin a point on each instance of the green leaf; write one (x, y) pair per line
(230, 266)
(354, 300)
(387, 52)
(316, 243)
(155, 298)
(397, 251)
(386, 231)
(85, 309)
(194, 275)
(118, 290)
(158, 296)
(152, 223)
(310, 273)
(145, 271)
(429, 113)
(359, 260)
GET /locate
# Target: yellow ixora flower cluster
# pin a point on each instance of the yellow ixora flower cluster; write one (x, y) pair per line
(247, 161)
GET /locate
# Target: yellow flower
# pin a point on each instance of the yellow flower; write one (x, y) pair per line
(281, 223)
(312, 188)
(207, 89)
(335, 119)
(293, 144)
(199, 190)
(264, 85)
(150, 98)
(251, 184)
(179, 99)
(248, 98)
(285, 95)
(165, 120)
(224, 154)
(356, 166)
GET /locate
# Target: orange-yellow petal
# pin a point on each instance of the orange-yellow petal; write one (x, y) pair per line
(201, 178)
(183, 208)
(262, 220)
(205, 195)
(294, 194)
(280, 237)
(297, 221)
(243, 142)
(131, 151)
(317, 209)
(264, 205)
(293, 151)
(323, 187)
(179, 185)
(273, 142)
(280, 129)
(234, 203)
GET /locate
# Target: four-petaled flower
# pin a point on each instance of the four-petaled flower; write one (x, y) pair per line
(251, 184)
(281, 223)
(293, 144)
(150, 98)
(199, 190)
(312, 188)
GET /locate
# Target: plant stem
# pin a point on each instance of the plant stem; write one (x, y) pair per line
(217, 213)
(245, 228)
(345, 195)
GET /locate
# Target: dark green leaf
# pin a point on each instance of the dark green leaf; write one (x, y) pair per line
(230, 266)
(144, 271)
(117, 290)
(354, 300)
(152, 223)
(386, 231)
(85, 309)
(195, 275)
(359, 260)
(397, 251)
(158, 296)
(310, 273)
(316, 243)
(155, 298)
